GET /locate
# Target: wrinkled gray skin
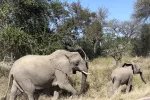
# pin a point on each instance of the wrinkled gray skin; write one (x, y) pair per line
(38, 72)
(123, 75)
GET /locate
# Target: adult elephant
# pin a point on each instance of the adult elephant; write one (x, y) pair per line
(33, 72)
(123, 75)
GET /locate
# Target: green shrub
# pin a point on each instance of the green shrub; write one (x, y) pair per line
(14, 40)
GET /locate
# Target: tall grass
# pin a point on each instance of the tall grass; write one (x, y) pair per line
(99, 82)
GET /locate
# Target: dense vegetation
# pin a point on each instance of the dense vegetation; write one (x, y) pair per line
(42, 26)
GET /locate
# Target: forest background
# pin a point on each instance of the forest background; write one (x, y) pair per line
(43, 26)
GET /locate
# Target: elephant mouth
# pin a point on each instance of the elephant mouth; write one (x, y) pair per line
(82, 71)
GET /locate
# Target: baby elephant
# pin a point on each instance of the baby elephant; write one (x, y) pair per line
(123, 75)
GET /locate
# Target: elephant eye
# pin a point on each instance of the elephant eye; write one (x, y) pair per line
(77, 63)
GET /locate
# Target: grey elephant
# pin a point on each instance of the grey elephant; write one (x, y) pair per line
(123, 75)
(33, 72)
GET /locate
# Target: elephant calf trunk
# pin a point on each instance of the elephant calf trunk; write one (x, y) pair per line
(142, 77)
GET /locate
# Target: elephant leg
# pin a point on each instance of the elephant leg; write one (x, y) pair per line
(129, 85)
(30, 95)
(115, 86)
(130, 88)
(28, 87)
(68, 87)
(63, 82)
(14, 91)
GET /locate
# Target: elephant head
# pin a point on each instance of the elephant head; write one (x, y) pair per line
(136, 70)
(72, 62)
(79, 64)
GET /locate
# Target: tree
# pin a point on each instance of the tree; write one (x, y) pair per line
(142, 13)
(130, 29)
(94, 35)
(118, 37)
(81, 26)
(5, 14)
(114, 47)
(32, 19)
(142, 10)
(141, 46)
(15, 41)
(102, 15)
(54, 24)
(32, 16)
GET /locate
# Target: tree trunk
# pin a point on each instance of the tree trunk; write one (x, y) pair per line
(95, 47)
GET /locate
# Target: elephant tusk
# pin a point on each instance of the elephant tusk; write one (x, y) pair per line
(85, 73)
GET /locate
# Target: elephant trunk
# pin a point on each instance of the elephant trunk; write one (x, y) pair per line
(83, 83)
(141, 74)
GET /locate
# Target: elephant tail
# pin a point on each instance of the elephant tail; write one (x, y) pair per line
(9, 82)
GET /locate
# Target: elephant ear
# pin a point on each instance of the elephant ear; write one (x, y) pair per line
(134, 68)
(74, 59)
(63, 65)
(66, 61)
(126, 65)
(130, 65)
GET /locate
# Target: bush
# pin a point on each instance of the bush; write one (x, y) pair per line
(14, 40)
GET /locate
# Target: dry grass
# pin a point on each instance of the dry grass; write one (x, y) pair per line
(99, 82)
